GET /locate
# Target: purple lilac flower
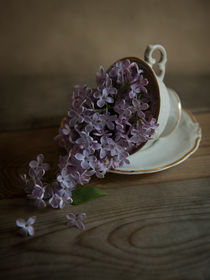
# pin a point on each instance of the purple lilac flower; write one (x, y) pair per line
(76, 220)
(109, 120)
(37, 195)
(76, 116)
(101, 76)
(65, 179)
(25, 227)
(101, 168)
(143, 83)
(85, 141)
(38, 167)
(118, 71)
(104, 147)
(134, 90)
(56, 201)
(87, 161)
(95, 121)
(140, 107)
(81, 96)
(139, 135)
(83, 177)
(103, 126)
(103, 97)
(123, 108)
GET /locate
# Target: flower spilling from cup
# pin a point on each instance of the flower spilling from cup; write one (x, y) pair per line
(127, 111)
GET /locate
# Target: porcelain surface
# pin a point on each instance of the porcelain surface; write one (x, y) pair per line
(168, 151)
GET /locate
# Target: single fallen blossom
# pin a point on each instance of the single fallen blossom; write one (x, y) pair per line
(76, 220)
(25, 227)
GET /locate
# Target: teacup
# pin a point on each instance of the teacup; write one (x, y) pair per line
(166, 107)
(170, 104)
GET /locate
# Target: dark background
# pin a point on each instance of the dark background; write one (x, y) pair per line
(47, 46)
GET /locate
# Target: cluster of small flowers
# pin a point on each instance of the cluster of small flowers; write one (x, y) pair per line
(42, 192)
(104, 125)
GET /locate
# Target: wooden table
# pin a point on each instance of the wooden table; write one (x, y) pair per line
(154, 226)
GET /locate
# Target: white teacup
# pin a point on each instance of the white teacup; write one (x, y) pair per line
(170, 104)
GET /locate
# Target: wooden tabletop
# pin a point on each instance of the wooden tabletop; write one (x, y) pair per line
(154, 226)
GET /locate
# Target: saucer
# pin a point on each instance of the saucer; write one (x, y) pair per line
(168, 151)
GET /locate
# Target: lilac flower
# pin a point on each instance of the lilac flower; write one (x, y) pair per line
(109, 88)
(135, 89)
(150, 126)
(81, 96)
(65, 194)
(104, 147)
(56, 201)
(109, 120)
(76, 116)
(102, 167)
(103, 97)
(87, 161)
(137, 136)
(66, 130)
(76, 220)
(143, 83)
(94, 122)
(25, 227)
(60, 195)
(117, 73)
(38, 168)
(133, 72)
(65, 179)
(139, 107)
(122, 108)
(37, 195)
(85, 141)
(84, 177)
(100, 76)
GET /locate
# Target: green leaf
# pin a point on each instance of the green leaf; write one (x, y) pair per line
(83, 194)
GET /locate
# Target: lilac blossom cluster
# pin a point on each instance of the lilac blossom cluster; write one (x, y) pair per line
(41, 192)
(103, 126)
(106, 123)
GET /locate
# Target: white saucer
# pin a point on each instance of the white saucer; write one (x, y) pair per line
(167, 151)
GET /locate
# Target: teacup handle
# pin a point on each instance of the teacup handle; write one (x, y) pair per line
(151, 60)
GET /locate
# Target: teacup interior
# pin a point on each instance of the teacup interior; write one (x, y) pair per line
(152, 89)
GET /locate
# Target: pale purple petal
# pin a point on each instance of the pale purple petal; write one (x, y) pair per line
(109, 99)
(102, 153)
(33, 164)
(31, 220)
(71, 217)
(101, 103)
(79, 156)
(84, 164)
(31, 231)
(20, 222)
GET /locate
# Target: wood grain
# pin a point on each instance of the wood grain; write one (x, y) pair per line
(148, 227)
(18, 148)
(159, 231)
